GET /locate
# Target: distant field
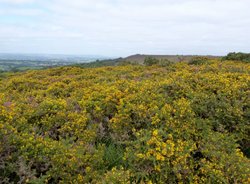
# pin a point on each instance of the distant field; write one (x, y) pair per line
(21, 65)
(21, 62)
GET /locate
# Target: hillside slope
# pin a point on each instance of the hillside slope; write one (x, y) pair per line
(139, 58)
(126, 124)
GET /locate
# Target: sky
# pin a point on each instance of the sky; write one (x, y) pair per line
(124, 27)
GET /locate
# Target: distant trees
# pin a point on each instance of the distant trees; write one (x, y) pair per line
(239, 56)
(149, 61)
(198, 60)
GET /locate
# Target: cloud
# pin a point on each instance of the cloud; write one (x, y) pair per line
(16, 1)
(126, 26)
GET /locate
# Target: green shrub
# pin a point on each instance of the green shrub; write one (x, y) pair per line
(149, 61)
(126, 124)
(245, 57)
(198, 60)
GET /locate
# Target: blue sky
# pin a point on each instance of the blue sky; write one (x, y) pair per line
(124, 27)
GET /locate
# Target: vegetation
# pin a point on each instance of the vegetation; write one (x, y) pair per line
(199, 60)
(149, 61)
(22, 65)
(101, 63)
(127, 124)
(23, 62)
(238, 56)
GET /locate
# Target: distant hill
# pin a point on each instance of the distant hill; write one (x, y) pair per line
(21, 62)
(139, 58)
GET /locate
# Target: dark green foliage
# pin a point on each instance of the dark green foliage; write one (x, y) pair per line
(113, 155)
(149, 61)
(245, 57)
(100, 63)
(199, 60)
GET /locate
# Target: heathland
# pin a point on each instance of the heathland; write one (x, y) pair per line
(161, 122)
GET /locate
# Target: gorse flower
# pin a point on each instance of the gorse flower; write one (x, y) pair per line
(182, 123)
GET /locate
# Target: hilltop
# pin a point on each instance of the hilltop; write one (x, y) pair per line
(139, 58)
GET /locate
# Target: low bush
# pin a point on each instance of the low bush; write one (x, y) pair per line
(245, 57)
(127, 124)
(199, 60)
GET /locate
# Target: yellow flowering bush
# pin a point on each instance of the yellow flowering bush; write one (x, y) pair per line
(176, 123)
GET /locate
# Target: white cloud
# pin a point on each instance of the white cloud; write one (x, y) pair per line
(127, 26)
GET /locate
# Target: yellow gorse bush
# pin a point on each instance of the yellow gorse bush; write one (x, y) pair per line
(127, 124)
